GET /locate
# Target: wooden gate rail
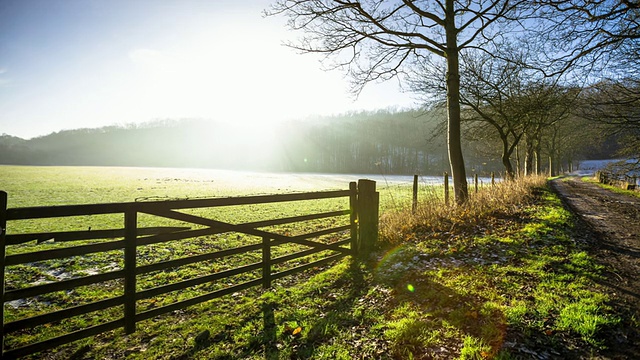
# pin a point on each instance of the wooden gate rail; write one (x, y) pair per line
(362, 229)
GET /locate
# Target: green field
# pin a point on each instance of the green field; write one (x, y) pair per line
(503, 279)
(45, 186)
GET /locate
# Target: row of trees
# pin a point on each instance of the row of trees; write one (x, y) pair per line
(514, 66)
(380, 142)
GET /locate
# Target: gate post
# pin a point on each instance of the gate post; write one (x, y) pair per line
(3, 232)
(475, 179)
(368, 202)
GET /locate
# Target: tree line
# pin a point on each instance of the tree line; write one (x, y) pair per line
(368, 142)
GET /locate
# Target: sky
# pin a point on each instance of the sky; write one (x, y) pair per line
(67, 64)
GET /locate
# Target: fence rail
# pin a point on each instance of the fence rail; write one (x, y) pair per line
(623, 181)
(361, 228)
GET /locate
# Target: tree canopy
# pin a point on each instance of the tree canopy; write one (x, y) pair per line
(377, 40)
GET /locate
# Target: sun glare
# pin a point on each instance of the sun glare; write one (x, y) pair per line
(249, 77)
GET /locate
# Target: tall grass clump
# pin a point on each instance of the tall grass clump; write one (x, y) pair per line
(433, 215)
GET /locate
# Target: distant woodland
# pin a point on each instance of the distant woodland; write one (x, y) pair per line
(380, 142)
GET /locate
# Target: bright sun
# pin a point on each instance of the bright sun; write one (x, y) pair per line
(249, 78)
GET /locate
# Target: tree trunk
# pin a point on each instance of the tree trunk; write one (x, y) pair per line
(528, 157)
(537, 153)
(510, 174)
(506, 160)
(518, 165)
(553, 166)
(453, 107)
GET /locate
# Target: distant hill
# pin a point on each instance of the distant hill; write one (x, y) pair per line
(378, 142)
(14, 150)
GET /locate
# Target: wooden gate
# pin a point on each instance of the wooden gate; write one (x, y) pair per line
(361, 233)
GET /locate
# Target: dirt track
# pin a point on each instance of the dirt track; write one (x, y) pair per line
(612, 233)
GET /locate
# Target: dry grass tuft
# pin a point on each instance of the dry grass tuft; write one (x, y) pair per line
(433, 216)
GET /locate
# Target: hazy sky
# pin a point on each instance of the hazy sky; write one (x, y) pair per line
(67, 64)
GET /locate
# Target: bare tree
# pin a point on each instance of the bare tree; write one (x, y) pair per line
(493, 91)
(493, 95)
(375, 40)
(616, 103)
(605, 36)
(587, 35)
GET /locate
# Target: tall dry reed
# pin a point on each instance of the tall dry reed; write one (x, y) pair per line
(433, 216)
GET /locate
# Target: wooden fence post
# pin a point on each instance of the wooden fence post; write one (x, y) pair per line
(415, 193)
(266, 262)
(130, 235)
(446, 188)
(353, 207)
(3, 232)
(493, 179)
(368, 201)
(475, 178)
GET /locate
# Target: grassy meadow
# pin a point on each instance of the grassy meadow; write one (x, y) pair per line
(501, 278)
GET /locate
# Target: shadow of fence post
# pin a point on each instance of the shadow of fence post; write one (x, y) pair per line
(270, 332)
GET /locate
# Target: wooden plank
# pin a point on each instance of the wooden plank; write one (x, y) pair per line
(193, 259)
(294, 219)
(240, 228)
(42, 319)
(257, 224)
(3, 261)
(131, 233)
(226, 227)
(61, 285)
(333, 246)
(245, 200)
(63, 253)
(304, 253)
(301, 239)
(266, 262)
(16, 239)
(43, 212)
(61, 340)
(196, 300)
(327, 231)
(304, 267)
(159, 290)
(161, 238)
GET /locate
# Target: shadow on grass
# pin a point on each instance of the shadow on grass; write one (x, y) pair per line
(335, 316)
(270, 332)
